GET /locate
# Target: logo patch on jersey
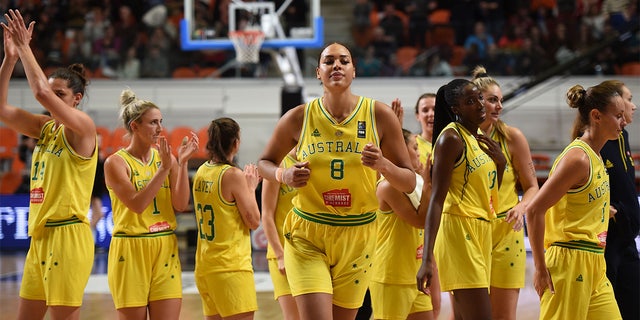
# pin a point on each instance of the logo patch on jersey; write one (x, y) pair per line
(362, 129)
(579, 278)
(121, 259)
(602, 239)
(159, 226)
(337, 198)
(315, 133)
(419, 252)
(36, 195)
(608, 164)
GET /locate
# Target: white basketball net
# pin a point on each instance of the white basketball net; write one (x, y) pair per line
(247, 44)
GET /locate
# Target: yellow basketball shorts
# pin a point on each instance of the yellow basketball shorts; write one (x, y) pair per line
(463, 252)
(227, 293)
(322, 258)
(279, 280)
(58, 265)
(397, 301)
(143, 269)
(508, 256)
(582, 290)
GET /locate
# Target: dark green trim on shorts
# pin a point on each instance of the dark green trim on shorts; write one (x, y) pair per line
(144, 235)
(580, 245)
(337, 220)
(64, 222)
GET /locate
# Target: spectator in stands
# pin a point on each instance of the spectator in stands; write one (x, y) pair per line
(463, 18)
(362, 16)
(493, 14)
(384, 48)
(392, 24)
(96, 24)
(79, 50)
(438, 67)
(155, 64)
(418, 11)
(369, 65)
(130, 66)
(107, 52)
(482, 41)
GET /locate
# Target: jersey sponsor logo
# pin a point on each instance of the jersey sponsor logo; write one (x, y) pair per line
(337, 198)
(315, 133)
(159, 226)
(36, 195)
(362, 129)
(602, 239)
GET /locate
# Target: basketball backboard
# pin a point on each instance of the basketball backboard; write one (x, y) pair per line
(200, 34)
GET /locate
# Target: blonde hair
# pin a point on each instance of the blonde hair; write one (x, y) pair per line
(483, 81)
(132, 108)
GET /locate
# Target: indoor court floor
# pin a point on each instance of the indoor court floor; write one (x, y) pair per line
(99, 306)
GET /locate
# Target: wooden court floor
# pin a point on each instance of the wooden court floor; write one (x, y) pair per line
(98, 305)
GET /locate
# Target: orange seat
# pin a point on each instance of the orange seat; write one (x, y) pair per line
(8, 143)
(209, 72)
(405, 57)
(10, 181)
(440, 16)
(630, 69)
(119, 139)
(184, 72)
(104, 146)
(176, 135)
(458, 56)
(443, 35)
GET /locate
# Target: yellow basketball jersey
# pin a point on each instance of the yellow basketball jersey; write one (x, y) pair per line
(61, 180)
(398, 250)
(424, 149)
(473, 191)
(581, 218)
(507, 193)
(158, 216)
(339, 185)
(285, 198)
(224, 242)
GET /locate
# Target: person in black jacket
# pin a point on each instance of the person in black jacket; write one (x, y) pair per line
(621, 254)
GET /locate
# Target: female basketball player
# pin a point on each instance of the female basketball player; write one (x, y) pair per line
(146, 185)
(424, 111)
(570, 277)
(276, 204)
(508, 257)
(467, 172)
(399, 246)
(342, 140)
(226, 209)
(60, 256)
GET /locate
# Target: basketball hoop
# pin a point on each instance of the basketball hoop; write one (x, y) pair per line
(247, 44)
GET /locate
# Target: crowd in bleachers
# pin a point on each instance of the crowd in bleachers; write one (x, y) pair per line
(140, 39)
(515, 37)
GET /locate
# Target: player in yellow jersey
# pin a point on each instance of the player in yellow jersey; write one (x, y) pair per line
(569, 215)
(425, 111)
(146, 184)
(508, 255)
(400, 245)
(467, 172)
(276, 204)
(60, 256)
(226, 209)
(343, 141)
